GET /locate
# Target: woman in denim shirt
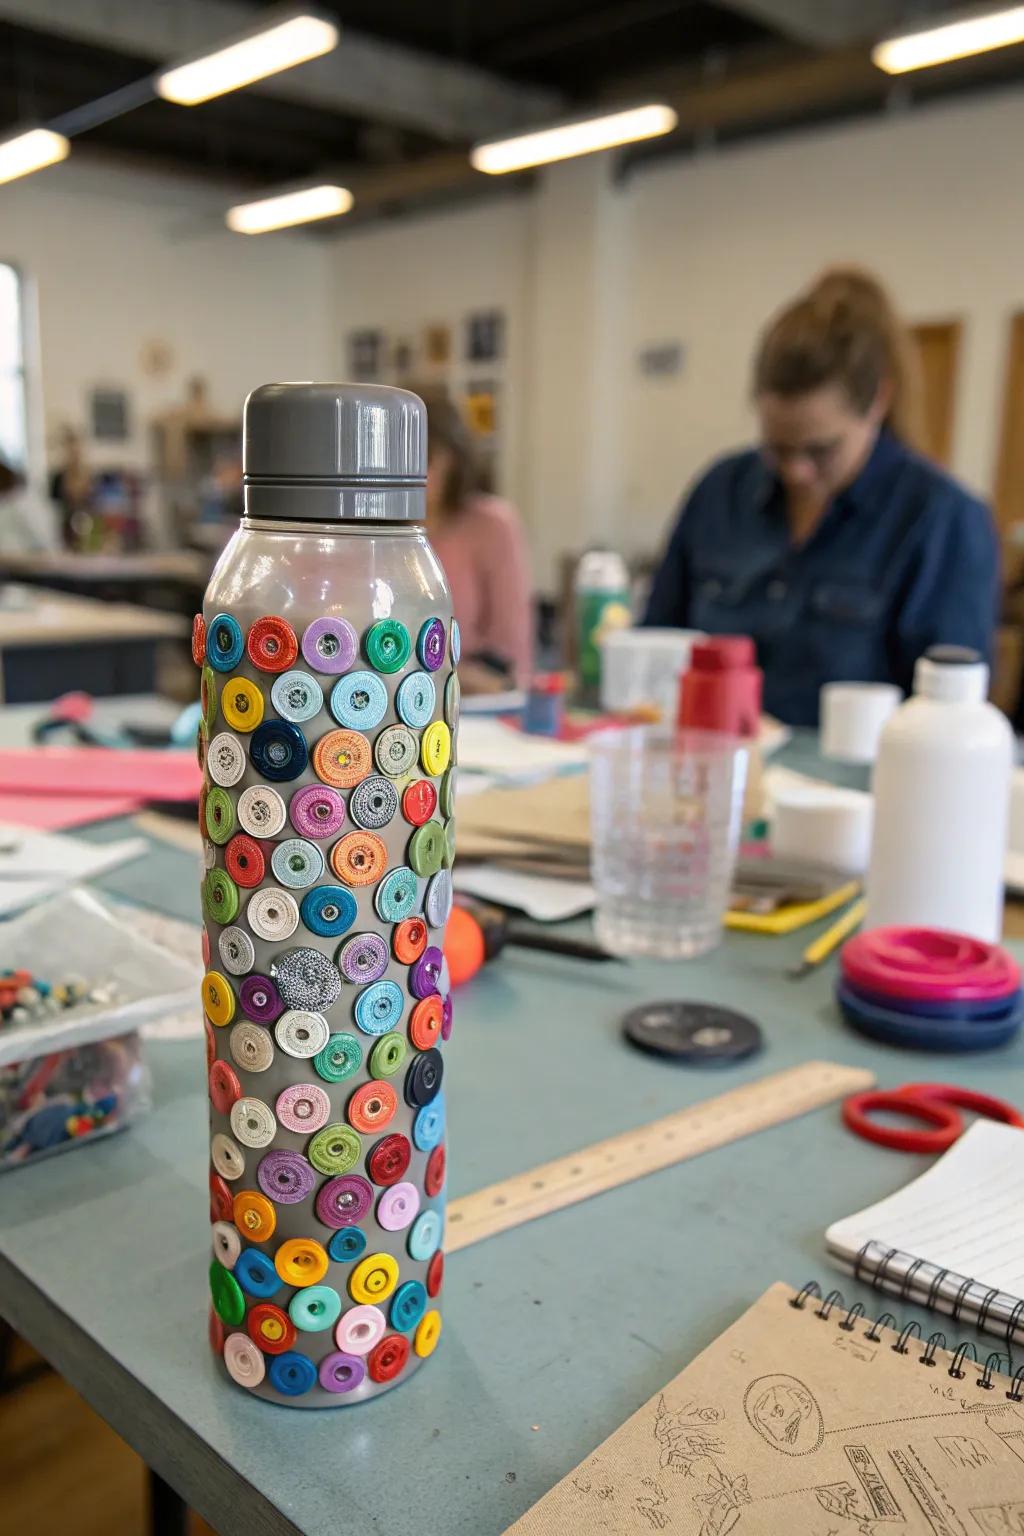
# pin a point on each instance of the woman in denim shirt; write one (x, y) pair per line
(842, 551)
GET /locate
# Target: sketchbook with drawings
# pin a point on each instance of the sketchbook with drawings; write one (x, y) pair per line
(794, 1424)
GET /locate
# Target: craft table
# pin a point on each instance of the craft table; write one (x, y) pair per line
(554, 1332)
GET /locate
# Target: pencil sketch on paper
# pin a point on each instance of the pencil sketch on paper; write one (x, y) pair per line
(649, 1504)
(689, 1445)
(882, 1501)
(963, 1451)
(1000, 1519)
(785, 1414)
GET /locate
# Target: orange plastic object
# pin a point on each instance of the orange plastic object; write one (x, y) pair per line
(464, 947)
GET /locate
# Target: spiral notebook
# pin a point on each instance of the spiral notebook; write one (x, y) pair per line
(805, 1420)
(953, 1240)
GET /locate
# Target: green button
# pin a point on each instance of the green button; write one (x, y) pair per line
(448, 792)
(387, 1055)
(228, 1301)
(388, 646)
(340, 1057)
(220, 897)
(208, 694)
(335, 1149)
(220, 815)
(449, 843)
(426, 848)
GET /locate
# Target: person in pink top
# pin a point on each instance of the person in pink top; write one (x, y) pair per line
(479, 540)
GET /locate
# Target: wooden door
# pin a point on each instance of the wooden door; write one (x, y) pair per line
(1009, 487)
(937, 347)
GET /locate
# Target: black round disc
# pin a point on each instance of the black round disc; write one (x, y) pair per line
(695, 1034)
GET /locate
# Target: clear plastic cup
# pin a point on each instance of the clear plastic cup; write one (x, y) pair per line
(665, 813)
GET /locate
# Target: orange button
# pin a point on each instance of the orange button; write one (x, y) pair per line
(359, 858)
(410, 940)
(301, 1261)
(425, 1023)
(372, 1106)
(254, 1216)
(341, 758)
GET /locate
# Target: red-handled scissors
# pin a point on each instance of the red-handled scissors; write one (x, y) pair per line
(935, 1104)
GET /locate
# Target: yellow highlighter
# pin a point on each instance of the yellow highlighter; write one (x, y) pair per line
(830, 940)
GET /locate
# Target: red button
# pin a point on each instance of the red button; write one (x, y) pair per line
(272, 645)
(388, 1357)
(389, 1160)
(220, 1199)
(435, 1273)
(270, 1328)
(425, 1023)
(434, 1179)
(198, 639)
(224, 1087)
(410, 940)
(204, 945)
(211, 1041)
(244, 861)
(218, 1333)
(419, 801)
(202, 808)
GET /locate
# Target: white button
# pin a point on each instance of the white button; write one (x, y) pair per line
(225, 1156)
(243, 1360)
(253, 1122)
(272, 914)
(251, 1046)
(209, 854)
(301, 1033)
(261, 811)
(227, 1244)
(225, 759)
(359, 1329)
(236, 951)
(438, 904)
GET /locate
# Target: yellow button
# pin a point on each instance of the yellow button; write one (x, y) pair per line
(254, 1216)
(373, 1278)
(424, 1340)
(218, 998)
(241, 703)
(301, 1261)
(436, 748)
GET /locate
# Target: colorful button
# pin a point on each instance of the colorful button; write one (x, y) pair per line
(209, 854)
(387, 1055)
(255, 1272)
(208, 697)
(346, 1245)
(302, 1107)
(341, 1373)
(360, 1329)
(330, 645)
(253, 1122)
(261, 811)
(428, 1127)
(271, 645)
(438, 902)
(202, 746)
(272, 915)
(254, 1216)
(387, 645)
(423, 1079)
(301, 1261)
(315, 1309)
(410, 940)
(301, 1033)
(211, 1038)
(220, 1198)
(363, 958)
(379, 1008)
(433, 1180)
(270, 1328)
(418, 801)
(427, 1334)
(359, 858)
(344, 1201)
(389, 1160)
(297, 863)
(395, 751)
(408, 1305)
(220, 896)
(341, 1057)
(244, 1361)
(359, 701)
(335, 1149)
(329, 910)
(244, 861)
(241, 703)
(228, 1301)
(415, 700)
(218, 999)
(425, 1023)
(341, 758)
(397, 895)
(426, 848)
(226, 1157)
(373, 803)
(306, 979)
(448, 784)
(436, 748)
(449, 843)
(198, 639)
(251, 1046)
(225, 1089)
(387, 1360)
(220, 815)
(285, 1176)
(430, 644)
(397, 1206)
(278, 751)
(292, 1374)
(425, 973)
(260, 999)
(425, 1237)
(435, 1274)
(452, 700)
(297, 697)
(372, 1107)
(455, 642)
(374, 1278)
(224, 642)
(204, 947)
(317, 811)
(227, 1244)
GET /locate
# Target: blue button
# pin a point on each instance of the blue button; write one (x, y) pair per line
(408, 1305)
(397, 896)
(346, 1244)
(315, 1308)
(256, 1274)
(329, 910)
(359, 701)
(296, 696)
(278, 751)
(428, 1127)
(415, 699)
(379, 1007)
(291, 1374)
(424, 1236)
(224, 642)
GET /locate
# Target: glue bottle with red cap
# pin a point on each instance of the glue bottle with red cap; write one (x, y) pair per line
(721, 691)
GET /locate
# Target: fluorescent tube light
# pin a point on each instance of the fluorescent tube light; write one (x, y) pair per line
(31, 150)
(563, 141)
(254, 57)
(288, 208)
(952, 40)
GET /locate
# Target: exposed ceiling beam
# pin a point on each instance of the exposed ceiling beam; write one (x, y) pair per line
(828, 23)
(364, 77)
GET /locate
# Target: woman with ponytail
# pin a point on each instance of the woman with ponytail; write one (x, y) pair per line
(836, 545)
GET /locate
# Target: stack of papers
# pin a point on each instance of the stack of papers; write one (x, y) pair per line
(35, 865)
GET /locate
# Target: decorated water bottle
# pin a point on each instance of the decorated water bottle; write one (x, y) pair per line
(330, 704)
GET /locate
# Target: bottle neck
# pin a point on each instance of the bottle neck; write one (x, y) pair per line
(328, 503)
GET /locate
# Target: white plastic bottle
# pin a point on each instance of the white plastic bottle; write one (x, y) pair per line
(942, 784)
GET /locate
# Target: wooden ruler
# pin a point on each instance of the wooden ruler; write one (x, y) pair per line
(607, 1164)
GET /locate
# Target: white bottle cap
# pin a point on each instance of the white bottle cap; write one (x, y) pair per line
(952, 674)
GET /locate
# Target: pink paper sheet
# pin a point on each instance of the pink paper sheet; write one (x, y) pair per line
(55, 813)
(74, 773)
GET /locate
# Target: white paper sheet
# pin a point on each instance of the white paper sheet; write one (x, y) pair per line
(542, 897)
(35, 865)
(489, 746)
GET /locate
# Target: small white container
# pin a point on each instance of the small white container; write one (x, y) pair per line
(831, 827)
(852, 717)
(641, 668)
(942, 783)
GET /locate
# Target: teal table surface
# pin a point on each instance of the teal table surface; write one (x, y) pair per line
(553, 1332)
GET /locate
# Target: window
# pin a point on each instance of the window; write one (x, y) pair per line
(13, 433)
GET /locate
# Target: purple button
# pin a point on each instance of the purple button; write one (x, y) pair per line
(446, 1017)
(330, 645)
(364, 958)
(261, 999)
(344, 1201)
(397, 1207)
(430, 644)
(425, 974)
(341, 1373)
(285, 1177)
(317, 811)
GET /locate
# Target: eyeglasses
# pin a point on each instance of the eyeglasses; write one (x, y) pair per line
(819, 455)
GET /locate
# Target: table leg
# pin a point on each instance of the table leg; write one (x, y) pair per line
(168, 1512)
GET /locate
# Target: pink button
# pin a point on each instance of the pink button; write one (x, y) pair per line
(397, 1207)
(359, 1329)
(303, 1107)
(928, 964)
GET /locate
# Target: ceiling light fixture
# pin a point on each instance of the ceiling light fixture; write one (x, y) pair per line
(31, 150)
(956, 39)
(288, 208)
(564, 141)
(266, 50)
